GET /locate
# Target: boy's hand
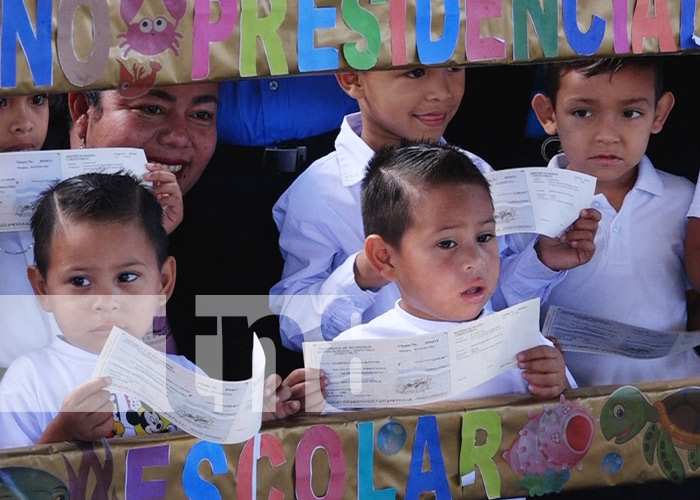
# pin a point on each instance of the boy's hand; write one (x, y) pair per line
(545, 371)
(167, 191)
(573, 248)
(302, 391)
(86, 414)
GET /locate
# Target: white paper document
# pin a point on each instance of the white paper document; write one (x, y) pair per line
(424, 368)
(214, 410)
(539, 199)
(24, 175)
(581, 332)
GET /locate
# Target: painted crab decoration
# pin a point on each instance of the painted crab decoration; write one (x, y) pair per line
(674, 422)
(151, 36)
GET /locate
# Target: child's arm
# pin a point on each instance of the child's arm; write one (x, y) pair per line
(544, 370)
(304, 390)
(573, 248)
(86, 414)
(168, 192)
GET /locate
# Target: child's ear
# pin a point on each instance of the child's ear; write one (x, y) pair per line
(350, 83)
(545, 113)
(39, 286)
(167, 277)
(663, 108)
(379, 254)
(78, 106)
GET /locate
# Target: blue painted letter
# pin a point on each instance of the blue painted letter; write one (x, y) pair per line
(585, 44)
(427, 435)
(309, 57)
(17, 28)
(194, 485)
(440, 50)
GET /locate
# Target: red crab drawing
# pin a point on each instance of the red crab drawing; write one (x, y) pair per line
(151, 36)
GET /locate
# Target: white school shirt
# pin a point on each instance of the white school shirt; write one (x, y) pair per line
(24, 325)
(320, 223)
(33, 388)
(636, 276)
(398, 323)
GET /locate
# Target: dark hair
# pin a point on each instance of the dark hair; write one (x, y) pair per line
(97, 197)
(396, 174)
(593, 67)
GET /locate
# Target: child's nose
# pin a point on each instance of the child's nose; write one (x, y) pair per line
(440, 85)
(606, 131)
(105, 303)
(471, 257)
(21, 120)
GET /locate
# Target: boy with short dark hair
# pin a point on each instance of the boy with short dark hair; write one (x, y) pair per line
(327, 284)
(428, 216)
(604, 112)
(101, 261)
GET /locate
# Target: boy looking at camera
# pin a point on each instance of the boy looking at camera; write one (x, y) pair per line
(604, 112)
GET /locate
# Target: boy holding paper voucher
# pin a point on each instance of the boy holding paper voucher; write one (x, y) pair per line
(101, 261)
(604, 112)
(327, 283)
(428, 216)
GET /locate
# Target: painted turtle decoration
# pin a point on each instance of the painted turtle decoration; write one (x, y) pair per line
(674, 422)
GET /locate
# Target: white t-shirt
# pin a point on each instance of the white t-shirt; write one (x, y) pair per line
(32, 391)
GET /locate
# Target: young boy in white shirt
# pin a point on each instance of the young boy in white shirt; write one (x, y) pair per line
(101, 261)
(604, 112)
(428, 216)
(327, 284)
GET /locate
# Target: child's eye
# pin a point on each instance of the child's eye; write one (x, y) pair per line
(128, 277)
(631, 113)
(80, 281)
(484, 238)
(582, 113)
(447, 244)
(416, 73)
(3, 102)
(39, 99)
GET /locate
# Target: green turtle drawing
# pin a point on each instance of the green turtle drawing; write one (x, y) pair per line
(25, 483)
(674, 422)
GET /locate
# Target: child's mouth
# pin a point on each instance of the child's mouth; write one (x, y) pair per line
(474, 294)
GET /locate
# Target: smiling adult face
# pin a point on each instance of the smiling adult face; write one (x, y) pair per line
(175, 125)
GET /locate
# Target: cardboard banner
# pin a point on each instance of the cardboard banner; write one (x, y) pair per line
(474, 449)
(60, 45)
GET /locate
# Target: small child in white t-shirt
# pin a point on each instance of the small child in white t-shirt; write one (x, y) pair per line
(101, 261)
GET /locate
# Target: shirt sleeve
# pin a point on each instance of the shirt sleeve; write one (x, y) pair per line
(523, 275)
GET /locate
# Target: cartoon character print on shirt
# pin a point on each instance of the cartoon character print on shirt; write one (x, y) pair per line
(118, 427)
(147, 421)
